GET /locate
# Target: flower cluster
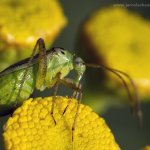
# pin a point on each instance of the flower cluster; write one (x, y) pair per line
(32, 127)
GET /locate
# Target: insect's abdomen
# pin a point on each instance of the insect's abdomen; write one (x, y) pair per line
(9, 88)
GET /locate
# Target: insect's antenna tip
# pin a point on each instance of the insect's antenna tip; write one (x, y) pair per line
(139, 115)
(134, 99)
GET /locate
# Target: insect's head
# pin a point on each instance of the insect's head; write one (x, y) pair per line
(64, 55)
(79, 65)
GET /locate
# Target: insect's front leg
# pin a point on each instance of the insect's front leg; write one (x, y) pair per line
(77, 94)
(70, 84)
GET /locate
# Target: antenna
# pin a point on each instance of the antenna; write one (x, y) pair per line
(134, 99)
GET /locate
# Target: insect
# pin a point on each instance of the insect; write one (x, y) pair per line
(48, 69)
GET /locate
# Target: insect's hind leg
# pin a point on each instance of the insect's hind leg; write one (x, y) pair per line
(42, 58)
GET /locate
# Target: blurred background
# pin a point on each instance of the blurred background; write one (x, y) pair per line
(111, 32)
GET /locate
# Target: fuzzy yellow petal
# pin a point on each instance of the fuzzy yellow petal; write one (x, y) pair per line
(146, 148)
(22, 22)
(118, 38)
(33, 127)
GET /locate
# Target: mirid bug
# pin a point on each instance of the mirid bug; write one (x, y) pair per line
(46, 70)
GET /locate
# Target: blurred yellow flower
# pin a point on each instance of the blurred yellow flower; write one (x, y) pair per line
(118, 38)
(32, 127)
(146, 148)
(22, 22)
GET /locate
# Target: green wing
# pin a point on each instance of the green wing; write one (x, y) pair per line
(23, 64)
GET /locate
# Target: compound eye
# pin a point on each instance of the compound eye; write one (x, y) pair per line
(63, 52)
(78, 61)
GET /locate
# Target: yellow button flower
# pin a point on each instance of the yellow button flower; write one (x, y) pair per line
(146, 148)
(117, 37)
(32, 127)
(22, 22)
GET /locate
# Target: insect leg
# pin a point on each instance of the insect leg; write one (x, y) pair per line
(78, 95)
(42, 68)
(77, 112)
(53, 102)
(42, 58)
(70, 84)
(56, 81)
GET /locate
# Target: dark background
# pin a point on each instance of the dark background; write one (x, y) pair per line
(120, 120)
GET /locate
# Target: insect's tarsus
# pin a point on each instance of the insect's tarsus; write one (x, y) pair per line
(134, 99)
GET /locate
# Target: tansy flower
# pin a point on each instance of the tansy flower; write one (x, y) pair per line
(22, 22)
(117, 37)
(146, 148)
(32, 127)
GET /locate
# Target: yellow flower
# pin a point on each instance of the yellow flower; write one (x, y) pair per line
(118, 38)
(32, 127)
(146, 148)
(22, 22)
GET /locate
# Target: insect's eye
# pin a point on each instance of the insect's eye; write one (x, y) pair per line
(78, 61)
(62, 52)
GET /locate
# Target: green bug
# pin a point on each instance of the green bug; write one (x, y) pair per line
(45, 70)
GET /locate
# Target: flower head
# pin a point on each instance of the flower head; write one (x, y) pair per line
(146, 148)
(113, 36)
(32, 127)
